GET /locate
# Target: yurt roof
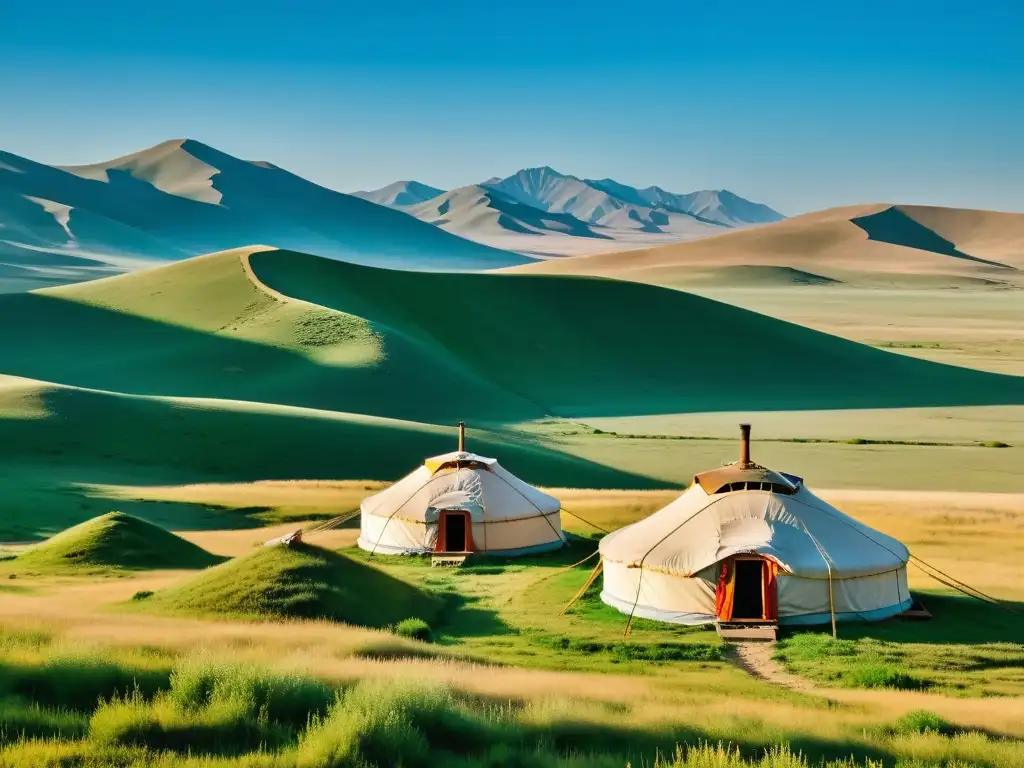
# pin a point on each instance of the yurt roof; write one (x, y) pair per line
(478, 484)
(803, 533)
(744, 508)
(715, 480)
(434, 463)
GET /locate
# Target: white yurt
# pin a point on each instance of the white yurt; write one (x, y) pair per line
(746, 544)
(461, 502)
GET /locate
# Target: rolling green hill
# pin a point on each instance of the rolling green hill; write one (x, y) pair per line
(587, 347)
(436, 347)
(114, 541)
(268, 364)
(300, 582)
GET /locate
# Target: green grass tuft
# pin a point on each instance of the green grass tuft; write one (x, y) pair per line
(414, 629)
(923, 721)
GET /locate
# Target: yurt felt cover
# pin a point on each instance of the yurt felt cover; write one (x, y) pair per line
(667, 566)
(698, 530)
(506, 513)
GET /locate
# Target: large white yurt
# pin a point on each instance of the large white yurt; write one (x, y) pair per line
(461, 502)
(744, 543)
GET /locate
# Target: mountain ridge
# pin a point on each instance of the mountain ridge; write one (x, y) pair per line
(607, 210)
(183, 198)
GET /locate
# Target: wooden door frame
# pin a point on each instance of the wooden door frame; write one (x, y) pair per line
(440, 544)
(765, 564)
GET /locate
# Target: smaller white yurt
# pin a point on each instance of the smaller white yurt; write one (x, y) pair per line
(746, 544)
(461, 502)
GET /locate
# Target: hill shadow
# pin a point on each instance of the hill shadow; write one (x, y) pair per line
(592, 347)
(896, 228)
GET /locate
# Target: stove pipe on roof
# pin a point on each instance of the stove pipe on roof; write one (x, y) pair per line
(462, 437)
(745, 446)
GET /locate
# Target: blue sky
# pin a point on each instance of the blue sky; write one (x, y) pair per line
(797, 104)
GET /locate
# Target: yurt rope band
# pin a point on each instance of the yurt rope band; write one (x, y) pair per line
(828, 511)
(828, 565)
(584, 520)
(945, 579)
(959, 586)
(385, 526)
(558, 571)
(583, 590)
(558, 534)
(334, 522)
(640, 564)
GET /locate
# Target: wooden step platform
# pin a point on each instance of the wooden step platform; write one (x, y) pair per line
(748, 630)
(916, 612)
(449, 559)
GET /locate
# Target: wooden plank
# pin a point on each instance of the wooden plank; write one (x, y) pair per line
(748, 631)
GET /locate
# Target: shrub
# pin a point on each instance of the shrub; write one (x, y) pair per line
(414, 629)
(142, 594)
(923, 721)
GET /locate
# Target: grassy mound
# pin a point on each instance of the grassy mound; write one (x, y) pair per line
(301, 581)
(114, 540)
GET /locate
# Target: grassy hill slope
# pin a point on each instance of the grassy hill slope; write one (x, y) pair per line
(868, 245)
(201, 328)
(431, 347)
(588, 347)
(241, 366)
(300, 581)
(61, 441)
(113, 541)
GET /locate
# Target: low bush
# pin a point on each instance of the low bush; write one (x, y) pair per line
(923, 721)
(142, 594)
(414, 629)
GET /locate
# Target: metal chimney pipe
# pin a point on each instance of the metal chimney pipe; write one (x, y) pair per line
(744, 445)
(462, 437)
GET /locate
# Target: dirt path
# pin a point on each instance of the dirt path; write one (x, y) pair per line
(755, 658)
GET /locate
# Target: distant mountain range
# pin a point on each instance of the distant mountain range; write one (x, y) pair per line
(876, 246)
(182, 198)
(542, 211)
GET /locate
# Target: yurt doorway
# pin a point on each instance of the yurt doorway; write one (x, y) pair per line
(747, 590)
(454, 532)
(748, 602)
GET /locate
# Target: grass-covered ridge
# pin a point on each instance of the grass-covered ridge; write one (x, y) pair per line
(311, 332)
(113, 541)
(300, 581)
(583, 346)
